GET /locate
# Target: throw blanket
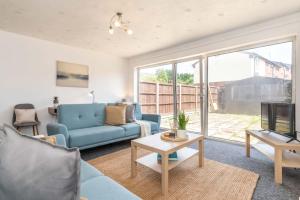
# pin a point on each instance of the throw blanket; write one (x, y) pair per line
(145, 128)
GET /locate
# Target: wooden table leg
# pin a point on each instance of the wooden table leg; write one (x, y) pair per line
(247, 144)
(201, 153)
(133, 160)
(278, 166)
(165, 174)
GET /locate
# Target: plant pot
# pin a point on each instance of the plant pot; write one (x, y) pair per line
(181, 133)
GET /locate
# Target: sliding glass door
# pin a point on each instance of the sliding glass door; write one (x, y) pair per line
(156, 92)
(239, 81)
(170, 88)
(221, 92)
(188, 85)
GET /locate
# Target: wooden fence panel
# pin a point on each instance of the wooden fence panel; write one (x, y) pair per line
(158, 98)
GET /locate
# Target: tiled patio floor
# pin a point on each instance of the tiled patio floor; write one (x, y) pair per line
(224, 126)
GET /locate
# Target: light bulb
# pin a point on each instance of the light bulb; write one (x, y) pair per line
(129, 31)
(111, 30)
(117, 23)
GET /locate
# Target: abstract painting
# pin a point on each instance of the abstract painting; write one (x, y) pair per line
(72, 75)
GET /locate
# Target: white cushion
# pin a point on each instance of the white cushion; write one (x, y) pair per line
(25, 115)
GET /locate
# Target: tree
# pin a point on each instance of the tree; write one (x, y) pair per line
(164, 76)
(185, 78)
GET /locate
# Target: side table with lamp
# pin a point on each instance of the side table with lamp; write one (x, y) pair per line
(53, 110)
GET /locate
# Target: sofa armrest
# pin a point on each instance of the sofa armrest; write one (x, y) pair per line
(60, 140)
(55, 129)
(152, 117)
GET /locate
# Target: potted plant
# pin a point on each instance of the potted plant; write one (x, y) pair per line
(182, 120)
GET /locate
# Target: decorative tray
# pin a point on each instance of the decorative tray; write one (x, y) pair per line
(168, 136)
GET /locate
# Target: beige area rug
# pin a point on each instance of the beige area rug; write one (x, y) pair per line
(216, 181)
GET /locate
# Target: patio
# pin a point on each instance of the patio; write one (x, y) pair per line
(220, 125)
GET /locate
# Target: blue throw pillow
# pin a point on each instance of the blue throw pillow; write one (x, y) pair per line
(31, 169)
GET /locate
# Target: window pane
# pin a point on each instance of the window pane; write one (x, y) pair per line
(188, 92)
(156, 92)
(240, 81)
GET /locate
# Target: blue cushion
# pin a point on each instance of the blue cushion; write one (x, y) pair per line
(93, 135)
(131, 129)
(76, 116)
(87, 172)
(137, 111)
(103, 187)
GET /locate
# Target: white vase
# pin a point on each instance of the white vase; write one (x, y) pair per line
(181, 133)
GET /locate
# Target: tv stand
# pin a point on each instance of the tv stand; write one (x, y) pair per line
(275, 148)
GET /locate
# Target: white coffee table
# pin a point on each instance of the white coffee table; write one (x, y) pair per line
(155, 144)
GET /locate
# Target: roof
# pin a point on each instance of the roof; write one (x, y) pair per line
(277, 64)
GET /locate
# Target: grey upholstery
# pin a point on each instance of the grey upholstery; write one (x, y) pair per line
(31, 169)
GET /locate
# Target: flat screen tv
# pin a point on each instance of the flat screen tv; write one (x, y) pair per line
(279, 118)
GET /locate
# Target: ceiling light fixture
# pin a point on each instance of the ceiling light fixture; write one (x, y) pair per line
(116, 21)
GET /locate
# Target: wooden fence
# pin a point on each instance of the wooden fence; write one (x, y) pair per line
(236, 97)
(158, 98)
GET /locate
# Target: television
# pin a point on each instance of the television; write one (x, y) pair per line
(279, 118)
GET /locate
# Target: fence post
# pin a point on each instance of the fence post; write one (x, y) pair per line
(157, 98)
(180, 95)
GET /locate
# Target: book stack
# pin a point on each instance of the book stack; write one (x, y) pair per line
(172, 156)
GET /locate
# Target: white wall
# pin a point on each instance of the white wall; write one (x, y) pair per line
(28, 74)
(274, 29)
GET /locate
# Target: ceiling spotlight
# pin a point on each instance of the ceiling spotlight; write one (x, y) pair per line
(129, 32)
(111, 30)
(117, 21)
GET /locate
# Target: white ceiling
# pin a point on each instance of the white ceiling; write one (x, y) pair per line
(156, 24)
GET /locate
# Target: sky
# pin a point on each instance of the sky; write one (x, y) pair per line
(279, 52)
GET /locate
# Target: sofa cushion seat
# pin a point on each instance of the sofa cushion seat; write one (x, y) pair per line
(131, 129)
(94, 135)
(103, 187)
(87, 172)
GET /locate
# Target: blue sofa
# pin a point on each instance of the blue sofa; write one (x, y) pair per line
(94, 185)
(83, 125)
